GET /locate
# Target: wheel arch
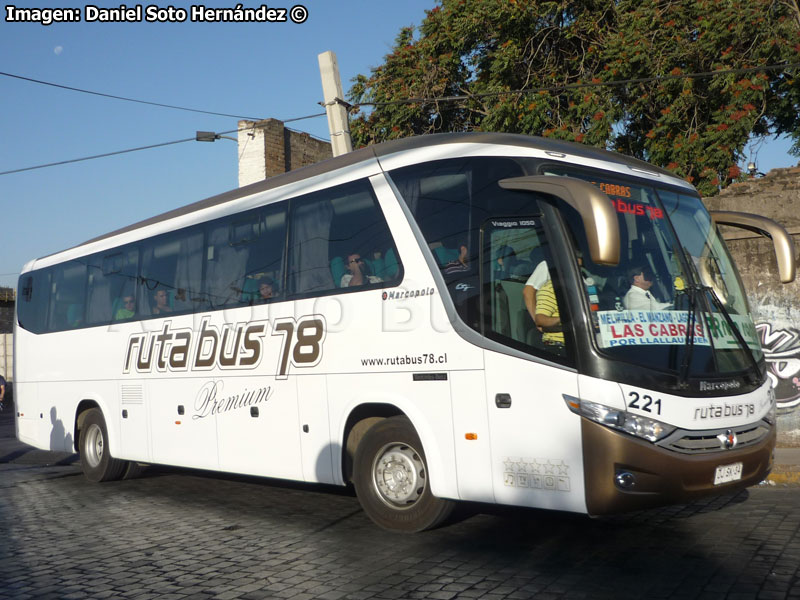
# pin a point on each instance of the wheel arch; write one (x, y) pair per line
(83, 407)
(358, 421)
(437, 452)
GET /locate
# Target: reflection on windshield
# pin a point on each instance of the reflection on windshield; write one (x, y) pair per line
(648, 310)
(709, 256)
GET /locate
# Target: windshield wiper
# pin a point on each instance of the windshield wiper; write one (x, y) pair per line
(690, 290)
(735, 330)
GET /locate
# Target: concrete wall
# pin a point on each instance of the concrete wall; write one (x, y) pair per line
(267, 148)
(776, 307)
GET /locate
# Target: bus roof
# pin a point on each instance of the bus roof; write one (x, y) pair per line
(386, 149)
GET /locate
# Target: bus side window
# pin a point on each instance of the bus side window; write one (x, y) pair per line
(226, 262)
(327, 228)
(265, 261)
(511, 255)
(309, 245)
(173, 262)
(34, 293)
(68, 298)
(111, 276)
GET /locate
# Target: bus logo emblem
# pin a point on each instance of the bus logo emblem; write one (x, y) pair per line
(728, 440)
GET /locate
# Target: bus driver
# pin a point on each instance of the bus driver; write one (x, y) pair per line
(639, 296)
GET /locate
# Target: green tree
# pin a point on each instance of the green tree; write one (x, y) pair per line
(575, 52)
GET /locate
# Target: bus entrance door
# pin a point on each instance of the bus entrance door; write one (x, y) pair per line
(536, 446)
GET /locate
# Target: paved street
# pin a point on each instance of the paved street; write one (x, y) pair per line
(184, 534)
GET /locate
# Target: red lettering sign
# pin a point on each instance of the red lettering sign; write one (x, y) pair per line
(639, 210)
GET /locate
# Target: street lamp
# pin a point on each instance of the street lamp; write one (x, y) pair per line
(210, 136)
(753, 170)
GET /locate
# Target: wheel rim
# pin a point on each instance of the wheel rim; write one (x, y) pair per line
(399, 475)
(94, 445)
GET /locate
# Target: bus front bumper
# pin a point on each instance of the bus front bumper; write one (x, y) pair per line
(660, 476)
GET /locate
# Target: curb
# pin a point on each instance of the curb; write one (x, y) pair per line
(786, 475)
(786, 467)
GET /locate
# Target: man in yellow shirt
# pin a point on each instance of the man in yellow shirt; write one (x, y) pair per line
(547, 316)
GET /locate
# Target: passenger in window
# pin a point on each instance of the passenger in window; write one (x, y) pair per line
(460, 264)
(537, 280)
(267, 289)
(127, 310)
(357, 272)
(639, 296)
(162, 303)
(74, 316)
(547, 316)
(505, 262)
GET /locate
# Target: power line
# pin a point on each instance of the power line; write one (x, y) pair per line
(657, 78)
(306, 117)
(74, 160)
(192, 139)
(74, 89)
(588, 84)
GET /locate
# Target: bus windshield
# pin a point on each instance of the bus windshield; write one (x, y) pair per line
(674, 302)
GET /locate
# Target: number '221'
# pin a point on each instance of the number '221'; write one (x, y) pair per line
(644, 403)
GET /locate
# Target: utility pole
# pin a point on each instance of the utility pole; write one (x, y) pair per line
(334, 104)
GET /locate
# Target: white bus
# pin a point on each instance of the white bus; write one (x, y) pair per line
(374, 319)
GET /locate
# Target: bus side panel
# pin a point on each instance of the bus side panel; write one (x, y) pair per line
(133, 418)
(315, 439)
(26, 402)
(537, 452)
(58, 371)
(472, 439)
(59, 401)
(26, 390)
(261, 437)
(178, 437)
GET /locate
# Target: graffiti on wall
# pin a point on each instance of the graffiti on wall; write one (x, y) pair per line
(782, 352)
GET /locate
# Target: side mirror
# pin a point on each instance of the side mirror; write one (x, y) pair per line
(781, 240)
(594, 207)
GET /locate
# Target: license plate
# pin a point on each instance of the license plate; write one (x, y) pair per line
(727, 473)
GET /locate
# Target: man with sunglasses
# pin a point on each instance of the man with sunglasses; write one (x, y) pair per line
(357, 272)
(127, 310)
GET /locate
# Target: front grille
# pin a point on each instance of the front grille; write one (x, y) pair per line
(704, 442)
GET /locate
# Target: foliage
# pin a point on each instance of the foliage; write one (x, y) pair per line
(572, 51)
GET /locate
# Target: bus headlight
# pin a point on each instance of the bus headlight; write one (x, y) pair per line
(636, 425)
(772, 414)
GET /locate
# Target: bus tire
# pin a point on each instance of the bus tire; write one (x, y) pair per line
(96, 461)
(390, 475)
(133, 470)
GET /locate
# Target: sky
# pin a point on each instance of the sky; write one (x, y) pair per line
(249, 70)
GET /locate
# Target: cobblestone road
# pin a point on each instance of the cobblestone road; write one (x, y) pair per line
(180, 534)
(184, 534)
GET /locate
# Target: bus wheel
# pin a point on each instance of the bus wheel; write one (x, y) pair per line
(391, 479)
(96, 461)
(133, 470)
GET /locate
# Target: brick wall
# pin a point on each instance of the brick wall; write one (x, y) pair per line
(775, 306)
(267, 148)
